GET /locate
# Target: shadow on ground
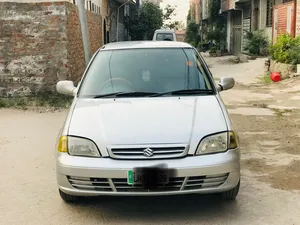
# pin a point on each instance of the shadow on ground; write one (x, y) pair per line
(150, 209)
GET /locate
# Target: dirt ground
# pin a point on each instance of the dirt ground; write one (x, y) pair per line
(267, 118)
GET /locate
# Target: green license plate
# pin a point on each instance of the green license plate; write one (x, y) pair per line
(136, 177)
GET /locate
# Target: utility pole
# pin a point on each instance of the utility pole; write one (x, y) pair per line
(84, 31)
(201, 25)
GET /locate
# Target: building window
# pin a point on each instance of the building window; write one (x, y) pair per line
(121, 16)
(90, 2)
(270, 5)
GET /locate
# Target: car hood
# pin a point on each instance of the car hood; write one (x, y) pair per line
(129, 121)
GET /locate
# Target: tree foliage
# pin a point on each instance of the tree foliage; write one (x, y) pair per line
(216, 32)
(169, 12)
(179, 25)
(188, 18)
(141, 24)
(256, 43)
(286, 49)
(191, 33)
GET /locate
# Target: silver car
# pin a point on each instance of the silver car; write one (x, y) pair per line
(147, 119)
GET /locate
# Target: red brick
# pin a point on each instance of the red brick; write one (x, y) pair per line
(47, 3)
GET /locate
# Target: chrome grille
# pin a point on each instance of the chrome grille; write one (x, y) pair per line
(200, 182)
(84, 183)
(146, 152)
(173, 185)
(120, 184)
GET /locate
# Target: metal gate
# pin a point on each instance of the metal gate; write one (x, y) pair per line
(237, 40)
(237, 32)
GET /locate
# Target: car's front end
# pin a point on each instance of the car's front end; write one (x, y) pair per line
(100, 149)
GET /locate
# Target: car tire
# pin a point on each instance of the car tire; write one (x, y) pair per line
(66, 197)
(231, 194)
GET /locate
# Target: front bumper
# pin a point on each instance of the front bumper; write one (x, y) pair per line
(83, 176)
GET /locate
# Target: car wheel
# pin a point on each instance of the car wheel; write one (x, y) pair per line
(66, 197)
(231, 194)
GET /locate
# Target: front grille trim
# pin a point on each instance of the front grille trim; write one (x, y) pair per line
(120, 185)
(166, 151)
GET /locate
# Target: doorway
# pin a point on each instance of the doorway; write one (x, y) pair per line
(237, 31)
(104, 32)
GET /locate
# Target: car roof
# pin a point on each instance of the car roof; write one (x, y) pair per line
(144, 44)
(164, 31)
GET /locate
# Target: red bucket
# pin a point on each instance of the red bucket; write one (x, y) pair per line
(275, 76)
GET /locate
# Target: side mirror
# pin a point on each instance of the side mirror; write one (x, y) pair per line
(225, 83)
(66, 87)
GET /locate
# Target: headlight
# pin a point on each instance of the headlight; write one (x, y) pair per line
(217, 143)
(78, 146)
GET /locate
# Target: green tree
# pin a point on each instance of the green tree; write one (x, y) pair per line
(191, 33)
(216, 31)
(142, 24)
(188, 18)
(180, 25)
(169, 12)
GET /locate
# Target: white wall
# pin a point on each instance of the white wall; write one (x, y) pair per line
(263, 18)
(205, 9)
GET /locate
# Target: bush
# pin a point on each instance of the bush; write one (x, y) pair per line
(281, 49)
(286, 49)
(294, 55)
(218, 37)
(213, 49)
(257, 43)
(199, 46)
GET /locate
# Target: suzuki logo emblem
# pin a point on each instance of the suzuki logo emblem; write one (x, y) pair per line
(148, 152)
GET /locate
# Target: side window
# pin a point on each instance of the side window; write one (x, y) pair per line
(201, 70)
(97, 74)
(197, 75)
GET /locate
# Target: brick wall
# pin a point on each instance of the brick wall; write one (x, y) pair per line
(33, 46)
(41, 43)
(285, 20)
(105, 8)
(75, 46)
(95, 31)
(298, 19)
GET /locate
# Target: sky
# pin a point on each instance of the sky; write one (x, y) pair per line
(182, 8)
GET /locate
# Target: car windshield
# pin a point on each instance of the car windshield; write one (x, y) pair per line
(164, 36)
(145, 72)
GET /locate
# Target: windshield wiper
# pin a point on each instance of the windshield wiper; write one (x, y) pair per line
(127, 94)
(108, 95)
(185, 92)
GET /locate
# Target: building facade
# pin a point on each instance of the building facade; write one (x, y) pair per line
(110, 11)
(153, 1)
(274, 17)
(195, 7)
